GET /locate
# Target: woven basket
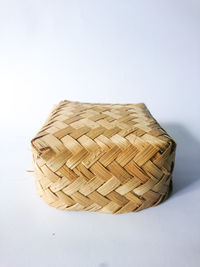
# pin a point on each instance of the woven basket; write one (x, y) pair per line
(111, 158)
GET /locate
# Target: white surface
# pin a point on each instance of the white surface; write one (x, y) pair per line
(98, 51)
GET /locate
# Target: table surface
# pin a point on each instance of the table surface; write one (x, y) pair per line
(35, 234)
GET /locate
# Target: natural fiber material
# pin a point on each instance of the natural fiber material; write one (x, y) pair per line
(111, 158)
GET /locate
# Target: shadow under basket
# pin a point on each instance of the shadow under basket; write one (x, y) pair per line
(112, 158)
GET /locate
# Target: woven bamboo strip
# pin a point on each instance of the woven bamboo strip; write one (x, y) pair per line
(111, 158)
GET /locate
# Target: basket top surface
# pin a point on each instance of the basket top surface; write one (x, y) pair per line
(100, 127)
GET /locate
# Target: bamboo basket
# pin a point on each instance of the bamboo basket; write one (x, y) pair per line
(111, 158)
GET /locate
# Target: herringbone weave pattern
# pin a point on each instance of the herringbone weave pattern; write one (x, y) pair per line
(111, 158)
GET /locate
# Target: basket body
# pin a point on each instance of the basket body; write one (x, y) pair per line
(110, 158)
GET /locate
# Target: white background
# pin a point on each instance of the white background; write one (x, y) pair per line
(98, 51)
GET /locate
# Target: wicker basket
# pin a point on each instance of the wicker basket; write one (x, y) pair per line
(111, 158)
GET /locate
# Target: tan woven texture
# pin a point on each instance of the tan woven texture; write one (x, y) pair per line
(110, 158)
